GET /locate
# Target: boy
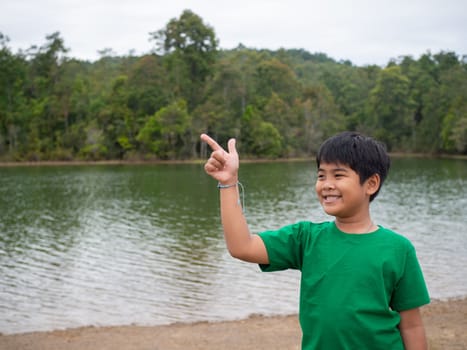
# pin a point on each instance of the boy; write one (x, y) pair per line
(361, 284)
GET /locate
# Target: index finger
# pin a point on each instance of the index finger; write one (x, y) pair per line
(211, 142)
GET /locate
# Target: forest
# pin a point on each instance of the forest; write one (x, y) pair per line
(278, 104)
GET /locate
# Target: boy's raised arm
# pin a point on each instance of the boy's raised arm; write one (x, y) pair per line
(223, 166)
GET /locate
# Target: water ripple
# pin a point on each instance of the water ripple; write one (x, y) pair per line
(142, 245)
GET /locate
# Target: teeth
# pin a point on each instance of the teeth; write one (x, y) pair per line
(330, 198)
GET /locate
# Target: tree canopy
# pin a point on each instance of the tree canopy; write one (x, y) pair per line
(280, 103)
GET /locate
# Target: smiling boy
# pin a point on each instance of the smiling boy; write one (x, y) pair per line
(361, 284)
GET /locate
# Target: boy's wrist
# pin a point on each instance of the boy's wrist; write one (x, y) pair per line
(233, 181)
(228, 184)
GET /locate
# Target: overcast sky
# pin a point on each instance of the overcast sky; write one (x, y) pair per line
(363, 31)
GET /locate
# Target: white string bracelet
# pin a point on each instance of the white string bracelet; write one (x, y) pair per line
(221, 186)
(241, 199)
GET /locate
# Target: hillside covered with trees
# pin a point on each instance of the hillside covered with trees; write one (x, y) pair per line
(280, 103)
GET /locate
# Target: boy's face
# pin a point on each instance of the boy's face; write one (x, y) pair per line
(340, 192)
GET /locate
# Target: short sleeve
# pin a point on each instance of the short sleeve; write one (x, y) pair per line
(410, 291)
(283, 247)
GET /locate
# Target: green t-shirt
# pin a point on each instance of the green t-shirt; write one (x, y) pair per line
(352, 285)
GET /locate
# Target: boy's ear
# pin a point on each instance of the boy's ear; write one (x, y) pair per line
(373, 183)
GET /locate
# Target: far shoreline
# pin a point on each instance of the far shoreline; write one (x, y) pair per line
(51, 163)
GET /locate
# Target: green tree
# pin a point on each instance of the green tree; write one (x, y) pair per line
(259, 138)
(116, 120)
(147, 86)
(320, 117)
(164, 133)
(273, 76)
(228, 93)
(454, 130)
(267, 140)
(350, 87)
(392, 108)
(281, 115)
(190, 49)
(12, 99)
(45, 117)
(453, 79)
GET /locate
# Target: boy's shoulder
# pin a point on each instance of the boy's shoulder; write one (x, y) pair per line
(311, 229)
(382, 235)
(394, 236)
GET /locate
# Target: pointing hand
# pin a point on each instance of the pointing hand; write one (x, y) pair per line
(222, 166)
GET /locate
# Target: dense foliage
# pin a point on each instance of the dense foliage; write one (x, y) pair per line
(276, 103)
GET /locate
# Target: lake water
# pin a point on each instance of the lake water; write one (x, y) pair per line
(142, 244)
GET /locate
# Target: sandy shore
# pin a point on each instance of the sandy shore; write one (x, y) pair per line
(446, 326)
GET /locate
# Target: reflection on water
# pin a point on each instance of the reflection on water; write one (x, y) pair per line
(111, 245)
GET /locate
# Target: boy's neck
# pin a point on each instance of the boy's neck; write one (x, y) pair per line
(356, 227)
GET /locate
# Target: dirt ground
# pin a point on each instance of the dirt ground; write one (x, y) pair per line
(445, 322)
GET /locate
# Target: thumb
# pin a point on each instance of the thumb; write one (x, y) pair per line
(231, 146)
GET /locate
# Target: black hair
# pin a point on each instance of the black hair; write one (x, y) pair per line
(363, 154)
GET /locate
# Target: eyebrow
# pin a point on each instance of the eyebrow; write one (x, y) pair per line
(334, 170)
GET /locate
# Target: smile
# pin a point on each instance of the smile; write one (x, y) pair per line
(331, 198)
